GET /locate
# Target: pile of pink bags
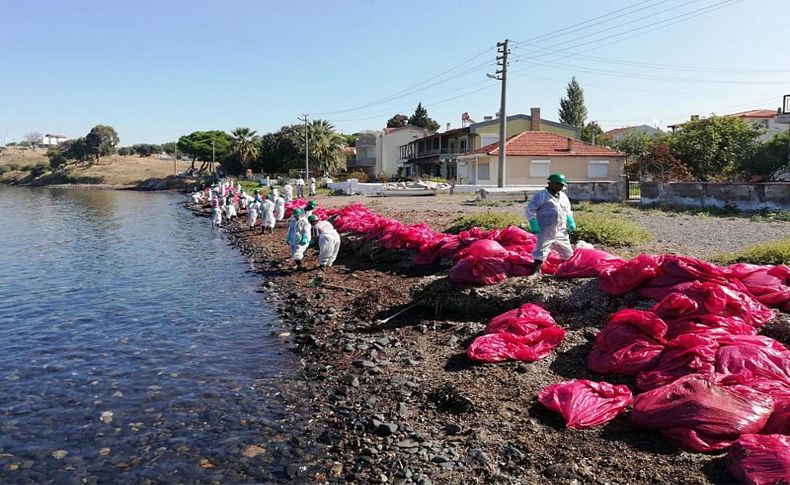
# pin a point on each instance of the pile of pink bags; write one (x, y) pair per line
(527, 333)
(292, 204)
(481, 257)
(708, 377)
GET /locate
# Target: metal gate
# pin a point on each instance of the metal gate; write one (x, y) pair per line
(634, 191)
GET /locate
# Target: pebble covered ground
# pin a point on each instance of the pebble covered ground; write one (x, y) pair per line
(397, 401)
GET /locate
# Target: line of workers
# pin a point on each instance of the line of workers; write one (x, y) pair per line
(227, 199)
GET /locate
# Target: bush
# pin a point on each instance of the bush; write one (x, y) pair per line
(485, 220)
(609, 231)
(771, 252)
(360, 176)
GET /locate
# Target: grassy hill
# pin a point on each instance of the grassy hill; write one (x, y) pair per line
(32, 167)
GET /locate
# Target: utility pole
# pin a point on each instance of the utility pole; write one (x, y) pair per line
(306, 149)
(501, 61)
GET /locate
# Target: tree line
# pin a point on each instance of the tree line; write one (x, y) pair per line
(717, 148)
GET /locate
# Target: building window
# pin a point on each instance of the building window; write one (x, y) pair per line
(597, 169)
(462, 146)
(435, 143)
(539, 168)
(482, 171)
(488, 139)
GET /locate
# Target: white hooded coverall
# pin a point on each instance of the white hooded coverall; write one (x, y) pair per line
(551, 212)
(298, 231)
(267, 209)
(328, 242)
(279, 208)
(252, 213)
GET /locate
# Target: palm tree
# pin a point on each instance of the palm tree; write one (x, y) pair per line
(327, 147)
(245, 145)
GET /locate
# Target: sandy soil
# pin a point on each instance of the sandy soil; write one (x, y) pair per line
(399, 402)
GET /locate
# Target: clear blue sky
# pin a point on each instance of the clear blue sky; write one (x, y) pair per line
(156, 70)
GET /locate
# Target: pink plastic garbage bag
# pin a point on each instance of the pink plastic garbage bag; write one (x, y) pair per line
(588, 263)
(631, 341)
(696, 414)
(502, 346)
(630, 275)
(770, 285)
(687, 354)
(521, 320)
(585, 404)
(479, 271)
(760, 459)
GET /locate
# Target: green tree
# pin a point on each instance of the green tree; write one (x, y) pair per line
(572, 110)
(198, 146)
(397, 121)
(56, 157)
(76, 149)
(591, 133)
(281, 150)
(635, 145)
(327, 147)
(246, 146)
(169, 147)
(126, 151)
(146, 149)
(770, 160)
(714, 148)
(420, 118)
(102, 140)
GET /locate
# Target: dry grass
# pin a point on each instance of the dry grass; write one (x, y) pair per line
(112, 170)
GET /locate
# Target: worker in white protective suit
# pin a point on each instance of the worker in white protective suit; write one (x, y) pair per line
(311, 185)
(267, 211)
(328, 241)
(230, 208)
(300, 187)
(288, 191)
(279, 208)
(252, 211)
(298, 237)
(551, 220)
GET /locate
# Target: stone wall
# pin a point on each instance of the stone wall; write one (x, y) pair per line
(603, 191)
(772, 195)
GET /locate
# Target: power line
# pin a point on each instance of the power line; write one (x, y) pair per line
(575, 27)
(655, 25)
(412, 90)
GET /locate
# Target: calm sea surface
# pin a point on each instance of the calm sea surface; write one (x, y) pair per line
(133, 344)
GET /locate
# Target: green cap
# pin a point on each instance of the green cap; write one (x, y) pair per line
(298, 212)
(312, 219)
(311, 205)
(559, 178)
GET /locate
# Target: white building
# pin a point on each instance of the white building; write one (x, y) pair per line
(388, 144)
(52, 139)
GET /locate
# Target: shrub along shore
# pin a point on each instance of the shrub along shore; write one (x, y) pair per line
(397, 401)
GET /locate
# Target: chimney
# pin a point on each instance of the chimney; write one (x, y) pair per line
(448, 127)
(534, 119)
(488, 118)
(694, 117)
(570, 145)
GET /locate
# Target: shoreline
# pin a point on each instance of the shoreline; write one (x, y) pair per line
(400, 403)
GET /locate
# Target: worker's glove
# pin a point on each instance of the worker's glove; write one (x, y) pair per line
(571, 224)
(304, 240)
(534, 228)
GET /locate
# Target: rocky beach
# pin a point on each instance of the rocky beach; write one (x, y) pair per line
(395, 399)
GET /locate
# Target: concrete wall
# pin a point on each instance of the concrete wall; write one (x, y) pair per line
(610, 191)
(774, 195)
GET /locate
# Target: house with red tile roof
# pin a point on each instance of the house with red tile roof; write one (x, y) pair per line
(531, 156)
(762, 118)
(618, 134)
